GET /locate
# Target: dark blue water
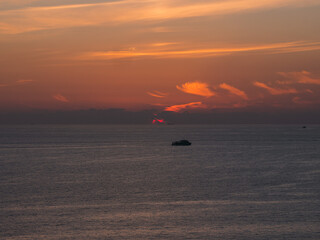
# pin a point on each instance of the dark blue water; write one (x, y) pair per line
(128, 182)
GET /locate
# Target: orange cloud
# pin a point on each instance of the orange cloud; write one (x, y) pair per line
(192, 105)
(196, 88)
(312, 46)
(105, 13)
(146, 52)
(298, 100)
(309, 91)
(163, 44)
(275, 91)
(60, 98)
(22, 81)
(25, 81)
(301, 77)
(239, 105)
(157, 94)
(160, 29)
(234, 90)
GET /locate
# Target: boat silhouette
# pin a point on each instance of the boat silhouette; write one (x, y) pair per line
(181, 143)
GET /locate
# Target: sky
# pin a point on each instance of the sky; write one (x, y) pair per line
(182, 55)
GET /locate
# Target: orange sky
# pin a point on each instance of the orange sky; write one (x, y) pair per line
(167, 55)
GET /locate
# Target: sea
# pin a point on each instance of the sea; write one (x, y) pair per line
(128, 182)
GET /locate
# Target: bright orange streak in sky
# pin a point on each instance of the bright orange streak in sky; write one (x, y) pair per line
(297, 46)
(234, 90)
(180, 107)
(275, 91)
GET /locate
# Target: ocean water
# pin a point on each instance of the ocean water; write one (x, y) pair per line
(128, 182)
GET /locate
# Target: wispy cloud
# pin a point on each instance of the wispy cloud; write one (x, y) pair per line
(64, 16)
(309, 91)
(163, 44)
(313, 46)
(275, 91)
(196, 88)
(178, 108)
(22, 81)
(14, 4)
(298, 100)
(160, 29)
(189, 52)
(303, 77)
(157, 94)
(16, 83)
(234, 90)
(60, 98)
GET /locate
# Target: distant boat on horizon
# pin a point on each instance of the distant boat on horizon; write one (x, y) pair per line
(181, 143)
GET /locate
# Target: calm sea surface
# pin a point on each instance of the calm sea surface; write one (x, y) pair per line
(128, 182)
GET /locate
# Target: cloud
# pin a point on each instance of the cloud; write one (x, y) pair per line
(178, 108)
(146, 52)
(298, 100)
(18, 82)
(157, 94)
(275, 91)
(160, 29)
(13, 4)
(239, 105)
(234, 90)
(163, 44)
(309, 91)
(60, 98)
(21, 81)
(301, 77)
(25, 19)
(196, 88)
